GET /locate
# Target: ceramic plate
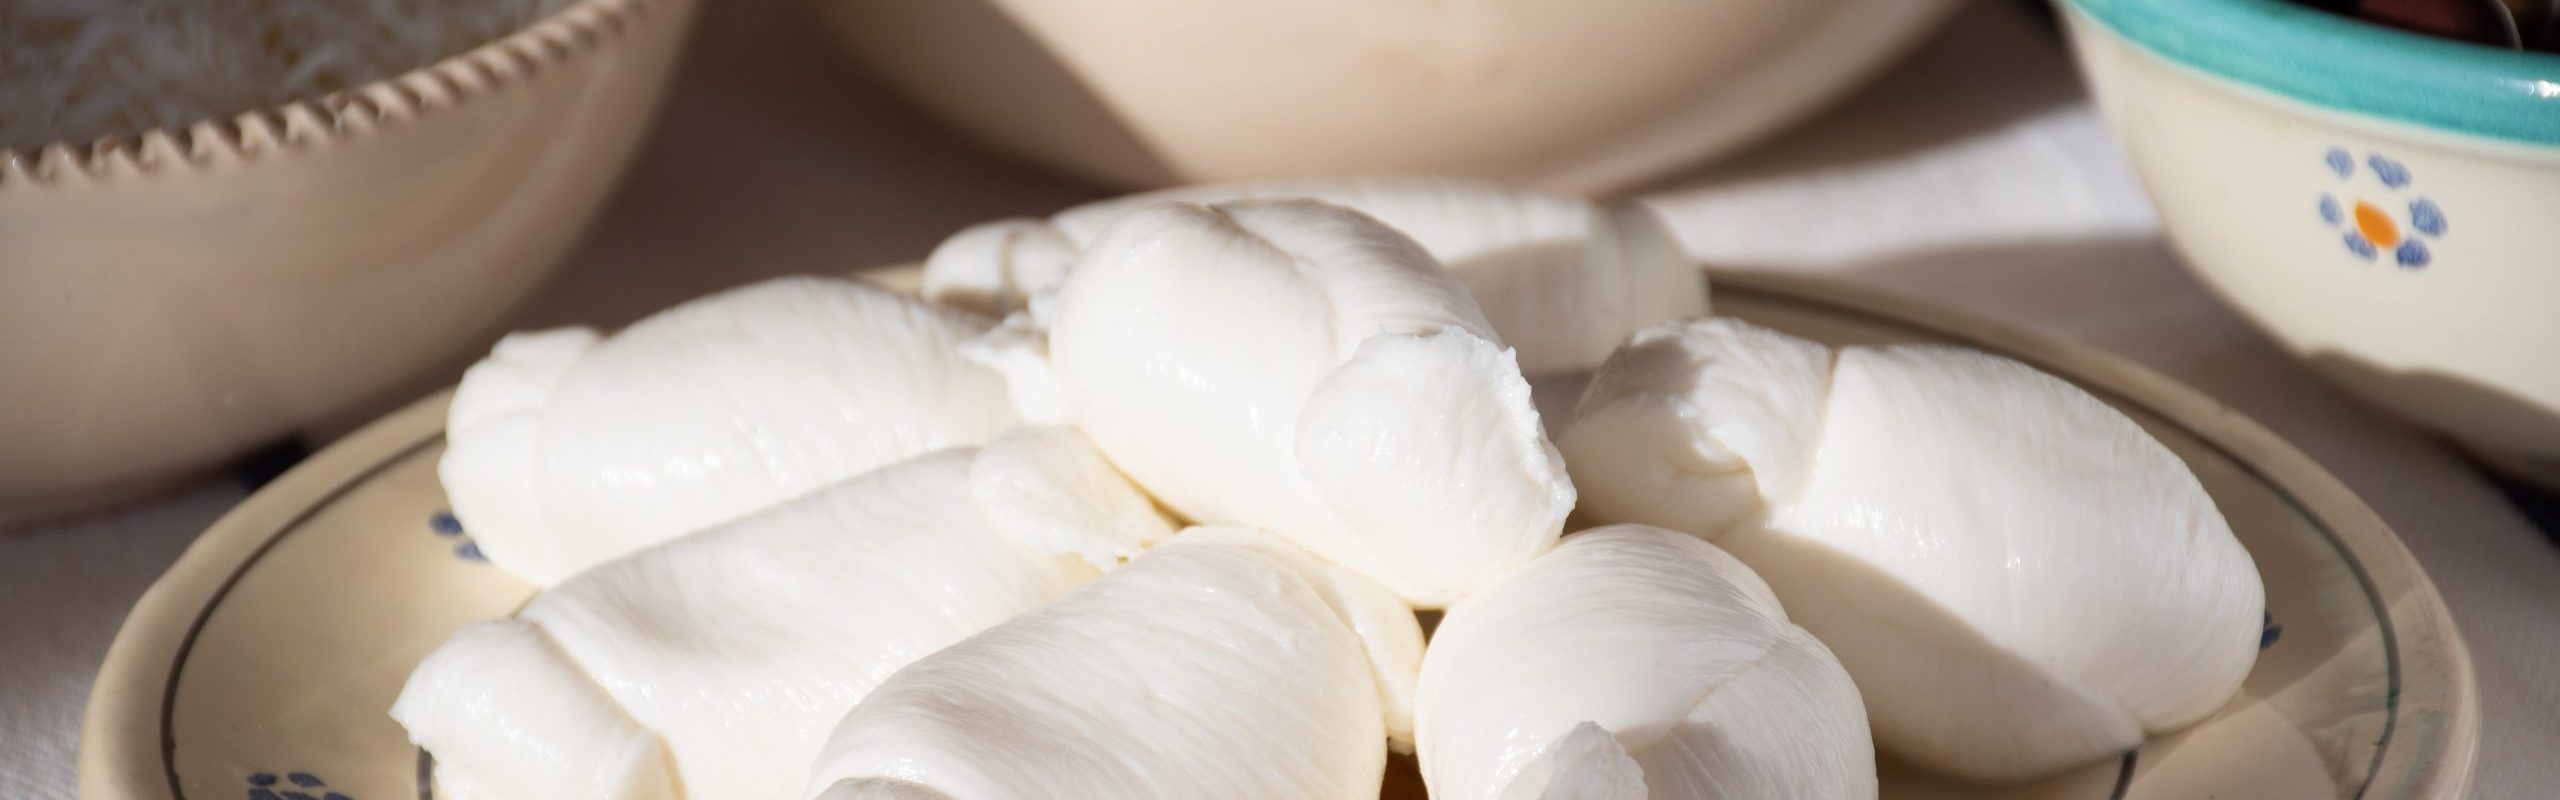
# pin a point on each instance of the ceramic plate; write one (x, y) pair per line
(263, 663)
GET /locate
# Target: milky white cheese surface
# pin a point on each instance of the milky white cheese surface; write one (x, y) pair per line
(1560, 278)
(567, 449)
(1636, 662)
(1203, 669)
(718, 661)
(1300, 368)
(2021, 579)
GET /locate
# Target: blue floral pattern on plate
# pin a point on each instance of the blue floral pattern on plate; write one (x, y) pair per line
(292, 786)
(446, 526)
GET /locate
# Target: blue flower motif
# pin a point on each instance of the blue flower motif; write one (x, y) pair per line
(2412, 254)
(446, 526)
(2391, 173)
(2269, 632)
(263, 786)
(2426, 217)
(2365, 223)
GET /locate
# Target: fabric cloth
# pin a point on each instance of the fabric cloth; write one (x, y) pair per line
(1974, 174)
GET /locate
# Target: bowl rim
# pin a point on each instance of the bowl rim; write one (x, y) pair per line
(2344, 64)
(306, 125)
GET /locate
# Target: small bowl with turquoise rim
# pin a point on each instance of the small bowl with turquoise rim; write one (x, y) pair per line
(2380, 202)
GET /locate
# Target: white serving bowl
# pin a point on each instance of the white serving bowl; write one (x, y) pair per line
(1570, 95)
(171, 300)
(2380, 202)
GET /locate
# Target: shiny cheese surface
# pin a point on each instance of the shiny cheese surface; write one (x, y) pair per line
(1636, 662)
(1299, 368)
(567, 450)
(2021, 579)
(1205, 668)
(1560, 278)
(731, 652)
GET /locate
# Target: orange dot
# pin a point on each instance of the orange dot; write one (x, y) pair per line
(2376, 226)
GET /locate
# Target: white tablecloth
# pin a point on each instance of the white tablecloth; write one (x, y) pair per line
(1976, 175)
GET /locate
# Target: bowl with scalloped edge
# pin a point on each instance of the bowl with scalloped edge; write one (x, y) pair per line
(2376, 200)
(172, 299)
(268, 657)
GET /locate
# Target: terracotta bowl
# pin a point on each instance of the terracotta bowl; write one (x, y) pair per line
(169, 301)
(1571, 96)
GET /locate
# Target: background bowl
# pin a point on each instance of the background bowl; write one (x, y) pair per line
(169, 302)
(1562, 95)
(2378, 201)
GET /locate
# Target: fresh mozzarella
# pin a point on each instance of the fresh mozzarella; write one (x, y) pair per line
(733, 650)
(1587, 763)
(1688, 425)
(1207, 667)
(2021, 579)
(567, 450)
(1636, 662)
(1018, 349)
(1559, 278)
(1300, 368)
(1050, 488)
(993, 267)
(1389, 633)
(507, 715)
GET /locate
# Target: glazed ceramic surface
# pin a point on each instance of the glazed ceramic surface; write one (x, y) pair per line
(269, 656)
(1560, 94)
(2378, 201)
(168, 302)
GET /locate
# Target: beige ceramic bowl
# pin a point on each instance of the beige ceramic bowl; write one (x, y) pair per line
(1572, 95)
(268, 657)
(2378, 201)
(169, 302)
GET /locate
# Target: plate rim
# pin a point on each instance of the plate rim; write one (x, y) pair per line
(123, 731)
(124, 735)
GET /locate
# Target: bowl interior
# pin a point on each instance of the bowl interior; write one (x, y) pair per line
(553, 31)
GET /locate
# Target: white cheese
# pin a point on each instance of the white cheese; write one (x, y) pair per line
(1636, 662)
(1560, 278)
(2021, 579)
(566, 450)
(718, 661)
(1203, 669)
(1298, 367)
